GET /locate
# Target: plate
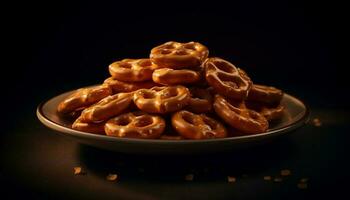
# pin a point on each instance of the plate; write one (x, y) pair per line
(296, 115)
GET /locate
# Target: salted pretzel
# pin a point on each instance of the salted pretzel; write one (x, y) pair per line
(265, 94)
(238, 116)
(135, 125)
(90, 127)
(226, 79)
(201, 101)
(132, 70)
(193, 126)
(83, 98)
(162, 99)
(121, 86)
(271, 113)
(179, 55)
(107, 107)
(168, 76)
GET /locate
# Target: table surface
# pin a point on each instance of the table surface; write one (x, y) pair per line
(38, 162)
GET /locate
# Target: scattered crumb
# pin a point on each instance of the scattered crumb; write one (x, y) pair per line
(267, 178)
(277, 179)
(112, 177)
(78, 171)
(317, 122)
(302, 185)
(285, 172)
(231, 179)
(189, 177)
(304, 180)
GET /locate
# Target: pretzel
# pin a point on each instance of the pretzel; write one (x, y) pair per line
(89, 127)
(193, 126)
(179, 55)
(135, 125)
(240, 117)
(132, 70)
(265, 94)
(120, 86)
(162, 99)
(83, 98)
(271, 113)
(167, 76)
(226, 79)
(201, 101)
(107, 107)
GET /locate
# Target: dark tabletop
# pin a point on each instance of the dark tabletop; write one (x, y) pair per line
(292, 46)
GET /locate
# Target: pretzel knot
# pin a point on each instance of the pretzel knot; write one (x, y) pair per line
(201, 101)
(265, 94)
(107, 107)
(83, 98)
(162, 99)
(240, 117)
(167, 76)
(90, 127)
(135, 125)
(179, 55)
(121, 86)
(132, 70)
(226, 79)
(193, 126)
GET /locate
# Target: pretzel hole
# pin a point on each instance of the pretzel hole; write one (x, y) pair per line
(148, 95)
(188, 118)
(169, 93)
(145, 63)
(125, 65)
(123, 121)
(209, 123)
(143, 121)
(165, 51)
(181, 52)
(190, 46)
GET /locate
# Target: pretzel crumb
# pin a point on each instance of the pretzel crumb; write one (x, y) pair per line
(189, 177)
(267, 178)
(78, 171)
(112, 177)
(285, 172)
(231, 179)
(277, 179)
(302, 185)
(317, 122)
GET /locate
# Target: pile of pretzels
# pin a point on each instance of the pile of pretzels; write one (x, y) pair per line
(177, 93)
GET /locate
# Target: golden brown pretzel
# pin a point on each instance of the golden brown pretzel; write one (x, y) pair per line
(132, 70)
(83, 98)
(120, 86)
(179, 55)
(162, 99)
(167, 76)
(265, 94)
(135, 125)
(226, 79)
(193, 126)
(271, 113)
(201, 101)
(107, 107)
(240, 117)
(89, 127)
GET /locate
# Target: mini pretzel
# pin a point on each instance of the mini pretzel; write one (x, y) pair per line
(193, 126)
(240, 117)
(107, 107)
(265, 94)
(83, 98)
(179, 55)
(167, 76)
(120, 86)
(201, 101)
(226, 79)
(162, 99)
(135, 125)
(271, 113)
(132, 70)
(89, 127)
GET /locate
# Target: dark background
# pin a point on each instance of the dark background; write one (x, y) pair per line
(55, 46)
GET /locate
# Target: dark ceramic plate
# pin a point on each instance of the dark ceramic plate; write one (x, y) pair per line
(295, 115)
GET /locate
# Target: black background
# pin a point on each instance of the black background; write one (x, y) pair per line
(55, 46)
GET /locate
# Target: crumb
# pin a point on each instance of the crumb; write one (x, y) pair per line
(302, 185)
(231, 179)
(317, 122)
(304, 180)
(267, 178)
(277, 179)
(285, 172)
(78, 171)
(112, 177)
(189, 177)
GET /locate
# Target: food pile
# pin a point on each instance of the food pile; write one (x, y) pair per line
(177, 93)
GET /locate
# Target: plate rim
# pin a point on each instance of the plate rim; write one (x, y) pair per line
(76, 133)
